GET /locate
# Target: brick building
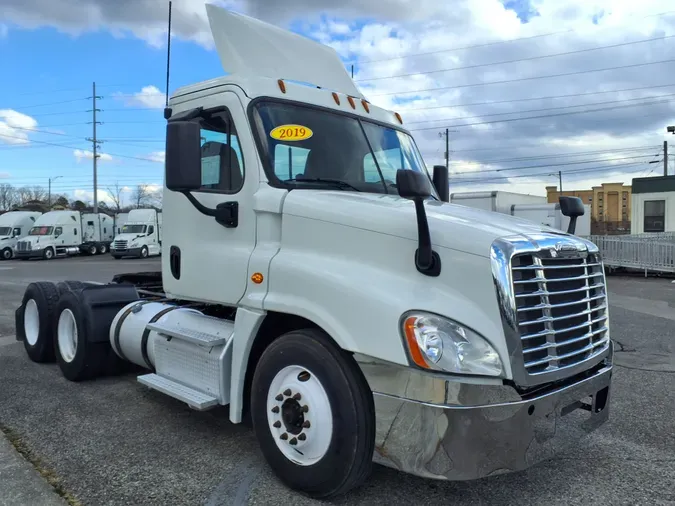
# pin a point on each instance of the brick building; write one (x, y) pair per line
(610, 206)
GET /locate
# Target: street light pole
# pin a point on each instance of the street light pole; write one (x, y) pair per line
(49, 197)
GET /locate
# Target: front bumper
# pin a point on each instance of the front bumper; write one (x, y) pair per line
(480, 430)
(129, 252)
(33, 253)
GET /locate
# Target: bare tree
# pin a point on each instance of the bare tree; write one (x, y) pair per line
(142, 196)
(115, 194)
(31, 194)
(8, 197)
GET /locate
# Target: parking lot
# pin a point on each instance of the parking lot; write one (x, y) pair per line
(114, 442)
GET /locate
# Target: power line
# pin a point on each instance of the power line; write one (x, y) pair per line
(558, 155)
(547, 108)
(487, 44)
(529, 99)
(541, 116)
(521, 79)
(578, 162)
(529, 58)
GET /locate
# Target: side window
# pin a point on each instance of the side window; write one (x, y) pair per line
(90, 223)
(655, 216)
(75, 231)
(58, 231)
(16, 232)
(151, 229)
(389, 162)
(222, 159)
(105, 230)
(289, 161)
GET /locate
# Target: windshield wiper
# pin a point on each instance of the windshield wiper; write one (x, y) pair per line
(337, 182)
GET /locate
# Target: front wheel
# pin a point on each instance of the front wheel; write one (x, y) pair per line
(48, 254)
(144, 252)
(313, 414)
(6, 254)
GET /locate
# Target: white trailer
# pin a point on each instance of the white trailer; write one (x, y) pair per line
(354, 320)
(66, 233)
(551, 215)
(653, 205)
(14, 225)
(497, 201)
(141, 235)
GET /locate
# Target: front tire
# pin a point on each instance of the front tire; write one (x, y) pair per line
(48, 254)
(144, 252)
(6, 254)
(310, 396)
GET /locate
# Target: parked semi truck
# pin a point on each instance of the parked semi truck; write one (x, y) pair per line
(67, 233)
(353, 320)
(14, 225)
(140, 236)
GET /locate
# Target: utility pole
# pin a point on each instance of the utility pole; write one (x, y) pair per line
(95, 142)
(447, 147)
(560, 179)
(665, 158)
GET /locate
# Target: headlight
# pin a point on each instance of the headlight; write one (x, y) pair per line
(438, 343)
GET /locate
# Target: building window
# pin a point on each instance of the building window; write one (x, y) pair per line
(655, 216)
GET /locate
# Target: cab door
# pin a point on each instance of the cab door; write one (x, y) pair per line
(202, 258)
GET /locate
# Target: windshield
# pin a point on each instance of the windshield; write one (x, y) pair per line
(133, 229)
(5, 231)
(41, 231)
(303, 143)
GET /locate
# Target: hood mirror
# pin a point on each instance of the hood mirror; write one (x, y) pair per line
(572, 207)
(415, 186)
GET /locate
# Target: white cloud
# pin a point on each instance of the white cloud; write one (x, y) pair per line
(149, 96)
(83, 154)
(5, 175)
(87, 196)
(15, 126)
(157, 156)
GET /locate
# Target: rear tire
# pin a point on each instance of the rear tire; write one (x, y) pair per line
(308, 394)
(39, 304)
(102, 249)
(78, 358)
(92, 250)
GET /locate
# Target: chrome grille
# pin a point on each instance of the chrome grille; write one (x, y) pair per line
(561, 310)
(120, 245)
(23, 246)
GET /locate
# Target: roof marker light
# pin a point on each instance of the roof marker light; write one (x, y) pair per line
(282, 85)
(336, 98)
(365, 106)
(398, 117)
(351, 102)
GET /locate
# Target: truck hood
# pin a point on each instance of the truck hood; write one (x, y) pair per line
(38, 239)
(451, 226)
(128, 237)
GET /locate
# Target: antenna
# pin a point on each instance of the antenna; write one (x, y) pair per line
(168, 57)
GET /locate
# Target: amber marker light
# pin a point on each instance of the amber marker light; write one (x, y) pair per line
(257, 278)
(398, 117)
(282, 85)
(365, 106)
(351, 102)
(336, 98)
(415, 353)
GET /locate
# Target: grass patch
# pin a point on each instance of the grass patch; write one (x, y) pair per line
(49, 475)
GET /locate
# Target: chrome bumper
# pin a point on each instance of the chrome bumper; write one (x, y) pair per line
(477, 430)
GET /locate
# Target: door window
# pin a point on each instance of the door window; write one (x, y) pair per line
(222, 159)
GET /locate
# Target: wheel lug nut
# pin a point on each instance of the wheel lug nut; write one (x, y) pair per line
(284, 436)
(297, 396)
(305, 408)
(279, 397)
(277, 424)
(302, 437)
(293, 441)
(306, 424)
(287, 392)
(275, 409)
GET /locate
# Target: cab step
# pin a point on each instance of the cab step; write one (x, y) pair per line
(193, 398)
(170, 329)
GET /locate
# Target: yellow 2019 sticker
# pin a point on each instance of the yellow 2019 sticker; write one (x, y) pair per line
(291, 133)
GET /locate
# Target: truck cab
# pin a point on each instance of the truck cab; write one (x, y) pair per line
(14, 225)
(140, 236)
(315, 277)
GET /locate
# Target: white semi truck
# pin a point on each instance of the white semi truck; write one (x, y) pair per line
(67, 233)
(353, 319)
(14, 225)
(140, 236)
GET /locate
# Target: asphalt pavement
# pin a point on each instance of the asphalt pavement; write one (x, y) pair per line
(114, 442)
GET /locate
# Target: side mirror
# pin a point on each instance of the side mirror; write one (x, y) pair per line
(412, 184)
(416, 186)
(183, 156)
(572, 207)
(441, 183)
